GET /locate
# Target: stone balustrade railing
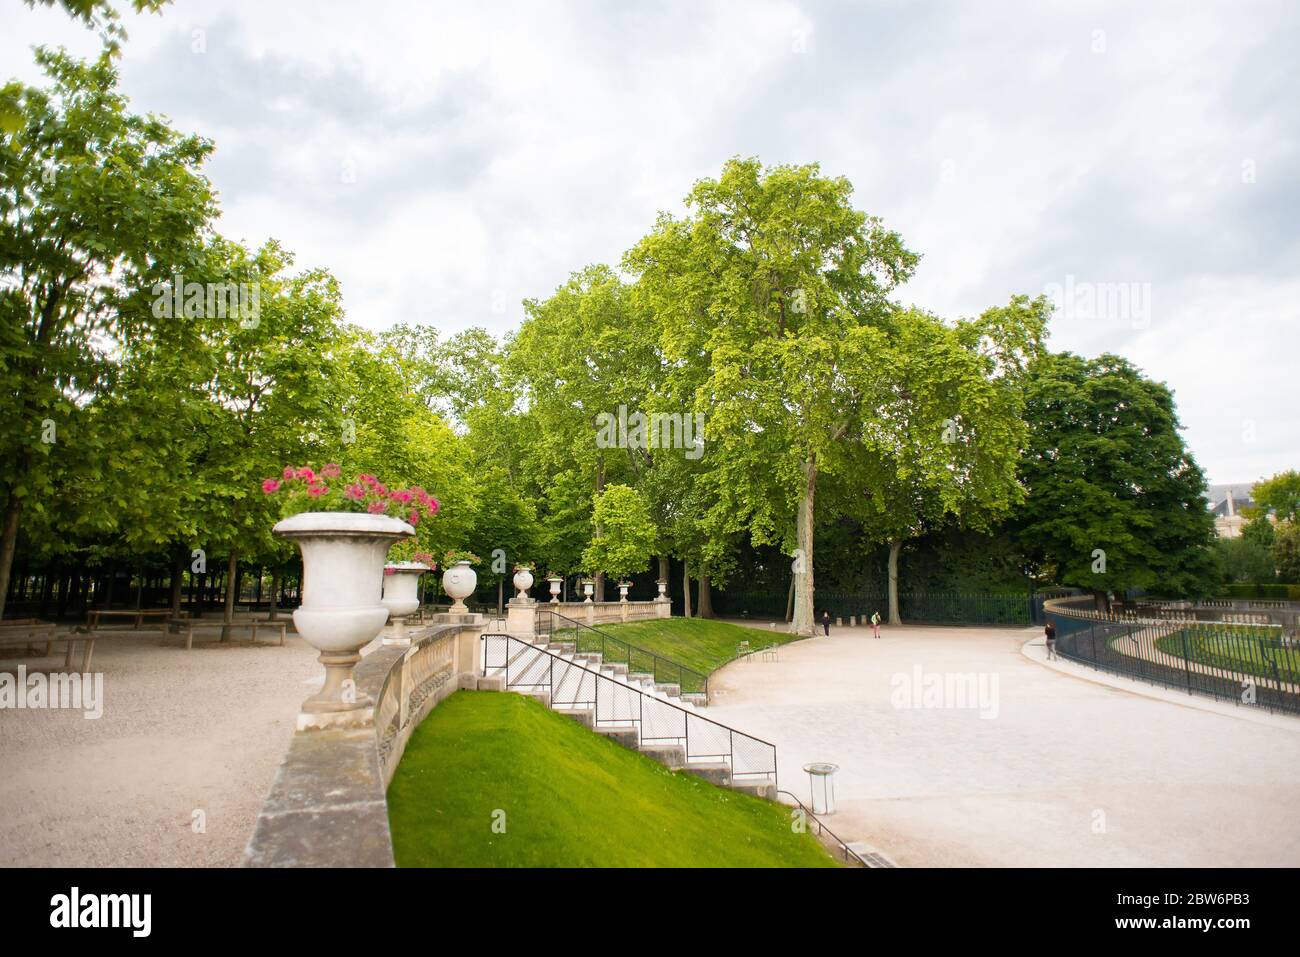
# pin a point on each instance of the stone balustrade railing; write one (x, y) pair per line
(608, 612)
(327, 805)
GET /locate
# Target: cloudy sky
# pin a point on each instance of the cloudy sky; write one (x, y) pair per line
(1138, 162)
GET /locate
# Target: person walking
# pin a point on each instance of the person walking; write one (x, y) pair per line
(875, 623)
(826, 622)
(1050, 632)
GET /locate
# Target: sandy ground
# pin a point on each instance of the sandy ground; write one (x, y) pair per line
(182, 732)
(1064, 770)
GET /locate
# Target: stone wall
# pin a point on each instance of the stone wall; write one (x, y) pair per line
(328, 806)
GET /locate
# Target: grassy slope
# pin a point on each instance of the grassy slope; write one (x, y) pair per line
(1236, 648)
(571, 798)
(698, 643)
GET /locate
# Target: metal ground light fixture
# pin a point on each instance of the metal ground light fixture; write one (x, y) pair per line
(821, 781)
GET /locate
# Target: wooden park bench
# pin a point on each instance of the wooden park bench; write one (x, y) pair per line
(30, 633)
(138, 616)
(188, 626)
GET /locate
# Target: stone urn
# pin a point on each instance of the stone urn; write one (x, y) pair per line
(402, 588)
(663, 588)
(555, 581)
(343, 557)
(622, 590)
(588, 589)
(523, 581)
(459, 581)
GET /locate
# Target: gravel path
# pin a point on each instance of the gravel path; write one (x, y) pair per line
(182, 732)
(1063, 771)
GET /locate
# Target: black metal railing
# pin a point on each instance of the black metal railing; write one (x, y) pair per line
(1244, 663)
(842, 850)
(572, 685)
(587, 639)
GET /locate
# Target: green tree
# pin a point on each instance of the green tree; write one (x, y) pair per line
(627, 535)
(766, 295)
(1115, 499)
(943, 443)
(1286, 552)
(579, 357)
(1279, 495)
(96, 203)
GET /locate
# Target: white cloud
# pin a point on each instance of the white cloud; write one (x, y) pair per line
(497, 147)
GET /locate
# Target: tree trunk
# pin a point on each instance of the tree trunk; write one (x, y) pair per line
(706, 598)
(179, 555)
(686, 588)
(600, 587)
(232, 592)
(895, 547)
(804, 620)
(1101, 600)
(8, 545)
(789, 602)
(663, 568)
(276, 583)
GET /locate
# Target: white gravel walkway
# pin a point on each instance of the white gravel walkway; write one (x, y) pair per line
(181, 732)
(1065, 771)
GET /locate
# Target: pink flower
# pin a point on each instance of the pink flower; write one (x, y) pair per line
(289, 473)
(433, 505)
(354, 492)
(316, 491)
(389, 571)
(330, 471)
(270, 485)
(414, 517)
(377, 508)
(401, 495)
(366, 478)
(306, 473)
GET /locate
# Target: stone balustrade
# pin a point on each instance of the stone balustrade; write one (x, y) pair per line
(327, 806)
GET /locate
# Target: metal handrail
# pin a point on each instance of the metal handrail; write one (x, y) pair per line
(681, 669)
(639, 720)
(848, 852)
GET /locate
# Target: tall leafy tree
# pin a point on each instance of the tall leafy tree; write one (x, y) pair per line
(942, 442)
(766, 294)
(1279, 495)
(579, 356)
(96, 203)
(1115, 499)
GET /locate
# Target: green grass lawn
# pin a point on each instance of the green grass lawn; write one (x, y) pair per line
(570, 798)
(1252, 651)
(699, 643)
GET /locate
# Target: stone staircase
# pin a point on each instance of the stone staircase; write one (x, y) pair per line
(654, 718)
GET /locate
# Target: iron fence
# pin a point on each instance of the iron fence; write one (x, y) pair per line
(571, 685)
(1247, 664)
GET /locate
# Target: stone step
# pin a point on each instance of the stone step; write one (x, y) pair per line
(669, 755)
(759, 788)
(630, 738)
(719, 774)
(584, 716)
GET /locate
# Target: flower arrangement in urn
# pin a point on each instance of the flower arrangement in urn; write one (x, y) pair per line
(306, 490)
(344, 529)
